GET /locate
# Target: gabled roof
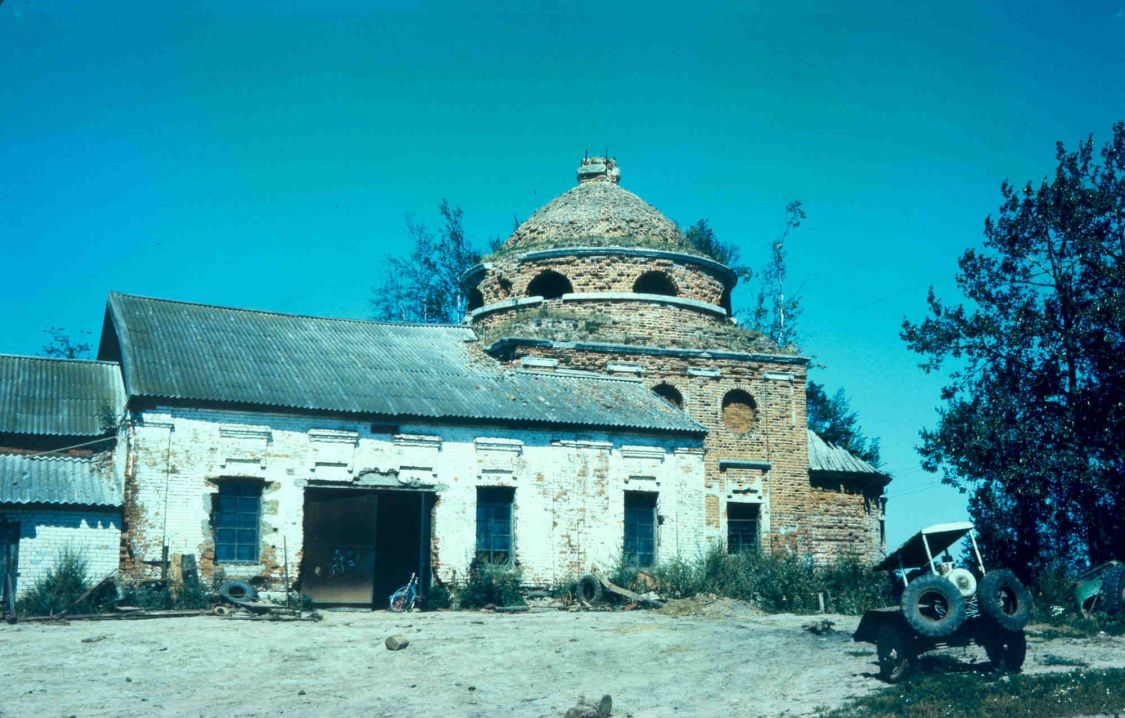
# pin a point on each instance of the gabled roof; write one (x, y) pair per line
(60, 397)
(83, 481)
(201, 353)
(827, 458)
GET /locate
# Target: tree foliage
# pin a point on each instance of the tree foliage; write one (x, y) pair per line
(1033, 422)
(425, 285)
(63, 346)
(775, 314)
(834, 420)
(703, 239)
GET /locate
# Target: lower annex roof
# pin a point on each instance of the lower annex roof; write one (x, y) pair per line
(195, 352)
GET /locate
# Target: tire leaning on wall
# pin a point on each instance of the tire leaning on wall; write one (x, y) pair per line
(1004, 599)
(933, 606)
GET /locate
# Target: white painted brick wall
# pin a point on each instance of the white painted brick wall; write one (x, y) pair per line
(45, 532)
(569, 487)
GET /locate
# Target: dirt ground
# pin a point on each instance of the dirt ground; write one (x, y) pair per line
(714, 659)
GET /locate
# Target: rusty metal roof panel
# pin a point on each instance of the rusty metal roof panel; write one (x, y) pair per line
(84, 481)
(61, 397)
(830, 458)
(178, 350)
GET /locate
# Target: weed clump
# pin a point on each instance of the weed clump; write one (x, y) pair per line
(62, 586)
(490, 584)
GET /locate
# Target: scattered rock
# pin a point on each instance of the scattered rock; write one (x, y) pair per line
(397, 643)
(301, 692)
(94, 639)
(820, 628)
(602, 709)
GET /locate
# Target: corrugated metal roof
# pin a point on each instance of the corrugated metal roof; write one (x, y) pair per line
(827, 457)
(177, 350)
(62, 397)
(85, 481)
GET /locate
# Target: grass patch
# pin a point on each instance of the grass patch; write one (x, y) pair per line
(957, 695)
(775, 583)
(490, 585)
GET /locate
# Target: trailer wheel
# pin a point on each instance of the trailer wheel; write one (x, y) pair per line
(589, 589)
(1006, 649)
(1113, 590)
(933, 606)
(1004, 599)
(895, 653)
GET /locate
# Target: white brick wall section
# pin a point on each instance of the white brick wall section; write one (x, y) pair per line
(46, 532)
(569, 487)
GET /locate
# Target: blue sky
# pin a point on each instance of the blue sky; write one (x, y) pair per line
(265, 154)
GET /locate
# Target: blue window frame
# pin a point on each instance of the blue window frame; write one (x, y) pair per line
(742, 528)
(494, 525)
(640, 529)
(238, 516)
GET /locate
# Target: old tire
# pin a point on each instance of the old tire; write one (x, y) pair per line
(895, 652)
(1004, 599)
(1006, 649)
(1113, 590)
(237, 591)
(589, 589)
(933, 606)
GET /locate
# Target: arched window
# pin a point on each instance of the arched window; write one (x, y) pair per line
(670, 394)
(740, 413)
(549, 285)
(476, 299)
(655, 282)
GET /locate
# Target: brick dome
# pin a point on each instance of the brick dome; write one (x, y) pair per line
(597, 213)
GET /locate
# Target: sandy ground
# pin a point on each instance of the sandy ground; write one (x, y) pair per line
(728, 661)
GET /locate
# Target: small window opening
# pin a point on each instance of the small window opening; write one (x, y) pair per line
(237, 515)
(655, 282)
(476, 299)
(742, 528)
(549, 285)
(670, 394)
(494, 525)
(740, 413)
(640, 529)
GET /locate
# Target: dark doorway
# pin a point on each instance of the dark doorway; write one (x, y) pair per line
(9, 566)
(742, 528)
(640, 529)
(361, 545)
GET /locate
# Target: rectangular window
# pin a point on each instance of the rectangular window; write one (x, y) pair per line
(494, 525)
(640, 529)
(742, 528)
(237, 518)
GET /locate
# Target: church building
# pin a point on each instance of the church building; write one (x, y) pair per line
(597, 405)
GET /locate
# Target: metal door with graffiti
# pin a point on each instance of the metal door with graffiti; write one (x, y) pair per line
(338, 565)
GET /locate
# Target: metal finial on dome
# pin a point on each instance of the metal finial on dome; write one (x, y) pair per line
(602, 169)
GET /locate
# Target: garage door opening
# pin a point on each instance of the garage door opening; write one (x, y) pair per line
(362, 545)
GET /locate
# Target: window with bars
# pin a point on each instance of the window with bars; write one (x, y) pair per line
(237, 517)
(640, 529)
(494, 525)
(742, 528)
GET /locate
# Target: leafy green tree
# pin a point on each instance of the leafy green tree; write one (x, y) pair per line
(63, 346)
(425, 285)
(834, 420)
(703, 239)
(775, 314)
(1033, 421)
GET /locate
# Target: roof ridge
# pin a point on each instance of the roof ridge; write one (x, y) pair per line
(579, 374)
(207, 305)
(5, 355)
